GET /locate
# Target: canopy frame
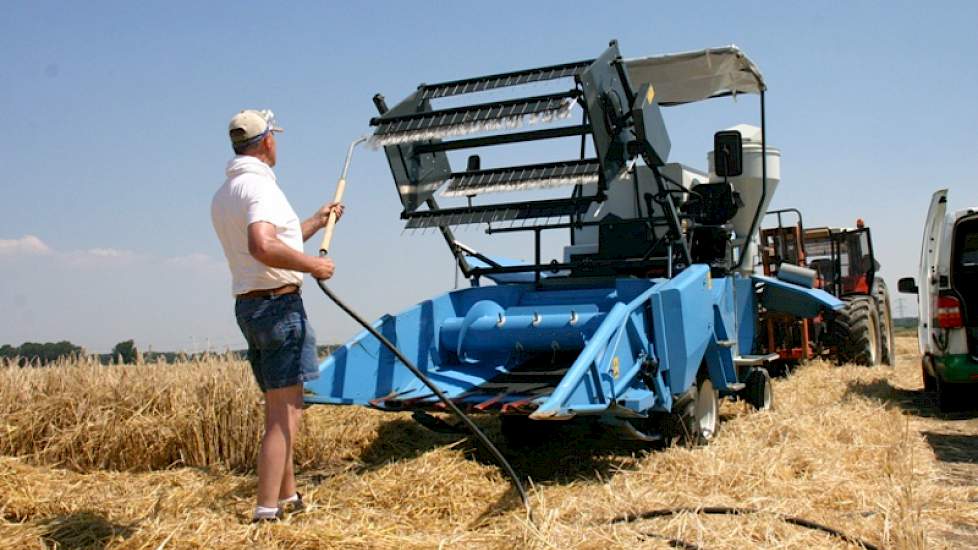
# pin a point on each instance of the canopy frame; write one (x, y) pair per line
(692, 76)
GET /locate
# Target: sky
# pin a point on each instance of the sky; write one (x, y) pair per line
(115, 136)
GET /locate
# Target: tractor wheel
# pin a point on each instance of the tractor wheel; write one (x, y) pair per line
(887, 345)
(757, 390)
(856, 332)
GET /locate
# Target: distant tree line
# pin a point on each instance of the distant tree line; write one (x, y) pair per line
(43, 353)
(40, 353)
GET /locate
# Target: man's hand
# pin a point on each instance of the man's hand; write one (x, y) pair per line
(322, 268)
(319, 220)
(322, 215)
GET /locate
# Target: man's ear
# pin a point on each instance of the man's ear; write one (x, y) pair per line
(266, 144)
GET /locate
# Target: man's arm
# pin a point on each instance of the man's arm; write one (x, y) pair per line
(265, 246)
(318, 220)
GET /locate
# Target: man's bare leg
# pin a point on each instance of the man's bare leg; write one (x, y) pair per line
(276, 444)
(288, 487)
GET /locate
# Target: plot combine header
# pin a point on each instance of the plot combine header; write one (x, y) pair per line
(650, 315)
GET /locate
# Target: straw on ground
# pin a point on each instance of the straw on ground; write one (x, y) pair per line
(162, 455)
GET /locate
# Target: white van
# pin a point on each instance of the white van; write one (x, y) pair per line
(947, 300)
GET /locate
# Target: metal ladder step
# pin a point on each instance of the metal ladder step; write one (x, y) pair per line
(755, 360)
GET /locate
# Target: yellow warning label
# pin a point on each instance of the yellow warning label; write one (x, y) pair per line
(614, 366)
(650, 95)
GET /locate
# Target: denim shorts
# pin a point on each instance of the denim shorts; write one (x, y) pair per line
(281, 344)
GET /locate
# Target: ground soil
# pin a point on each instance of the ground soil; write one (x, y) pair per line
(953, 437)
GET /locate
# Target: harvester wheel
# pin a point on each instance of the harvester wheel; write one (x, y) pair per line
(887, 345)
(757, 390)
(704, 421)
(696, 421)
(856, 332)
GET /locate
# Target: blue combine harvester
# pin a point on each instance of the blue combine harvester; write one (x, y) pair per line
(650, 316)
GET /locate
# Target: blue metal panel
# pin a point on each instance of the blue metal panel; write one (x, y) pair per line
(719, 359)
(745, 307)
(795, 300)
(683, 322)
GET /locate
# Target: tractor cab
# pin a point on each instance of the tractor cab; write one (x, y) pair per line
(842, 259)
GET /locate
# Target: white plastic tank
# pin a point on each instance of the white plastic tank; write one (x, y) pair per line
(749, 185)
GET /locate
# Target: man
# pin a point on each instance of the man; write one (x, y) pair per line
(262, 239)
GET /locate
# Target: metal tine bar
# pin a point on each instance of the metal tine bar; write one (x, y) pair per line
(518, 177)
(540, 103)
(502, 80)
(533, 135)
(504, 213)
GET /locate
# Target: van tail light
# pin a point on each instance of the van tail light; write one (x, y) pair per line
(949, 312)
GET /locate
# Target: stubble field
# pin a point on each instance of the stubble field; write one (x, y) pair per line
(158, 456)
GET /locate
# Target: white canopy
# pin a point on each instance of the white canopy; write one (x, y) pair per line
(693, 76)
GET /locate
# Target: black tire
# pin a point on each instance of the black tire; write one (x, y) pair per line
(887, 344)
(930, 382)
(758, 391)
(687, 425)
(855, 332)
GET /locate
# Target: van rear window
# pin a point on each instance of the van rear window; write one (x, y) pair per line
(969, 250)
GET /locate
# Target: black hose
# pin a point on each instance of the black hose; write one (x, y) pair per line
(725, 510)
(517, 484)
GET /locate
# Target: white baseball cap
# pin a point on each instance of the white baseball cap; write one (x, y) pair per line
(251, 124)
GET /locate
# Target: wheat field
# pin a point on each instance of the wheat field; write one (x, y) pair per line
(161, 456)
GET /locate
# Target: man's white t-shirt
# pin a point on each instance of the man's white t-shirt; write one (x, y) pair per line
(251, 194)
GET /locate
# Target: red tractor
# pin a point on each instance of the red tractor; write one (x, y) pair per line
(842, 263)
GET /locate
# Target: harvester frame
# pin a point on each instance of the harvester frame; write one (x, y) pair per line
(628, 328)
